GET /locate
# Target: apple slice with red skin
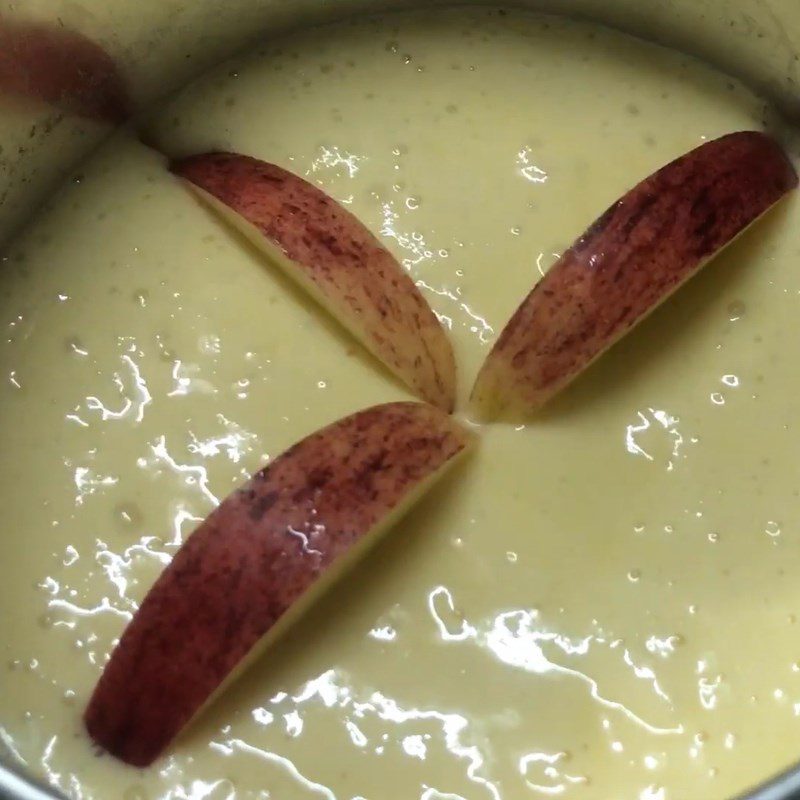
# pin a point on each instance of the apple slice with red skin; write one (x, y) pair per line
(63, 68)
(335, 258)
(630, 260)
(257, 561)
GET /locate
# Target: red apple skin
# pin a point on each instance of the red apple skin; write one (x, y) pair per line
(251, 559)
(365, 287)
(63, 68)
(630, 260)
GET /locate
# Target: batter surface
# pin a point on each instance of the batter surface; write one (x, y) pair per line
(601, 604)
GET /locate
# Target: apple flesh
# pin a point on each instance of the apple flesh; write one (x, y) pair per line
(630, 260)
(257, 561)
(334, 257)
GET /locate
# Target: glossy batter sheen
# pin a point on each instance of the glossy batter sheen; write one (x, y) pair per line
(601, 604)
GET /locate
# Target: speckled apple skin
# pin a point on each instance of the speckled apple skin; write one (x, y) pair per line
(251, 559)
(47, 62)
(359, 280)
(630, 260)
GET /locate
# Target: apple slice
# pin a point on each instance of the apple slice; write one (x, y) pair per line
(63, 68)
(630, 260)
(257, 561)
(333, 256)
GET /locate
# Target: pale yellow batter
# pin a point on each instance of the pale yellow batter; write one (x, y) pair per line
(601, 604)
